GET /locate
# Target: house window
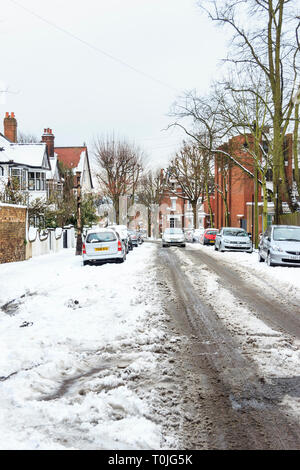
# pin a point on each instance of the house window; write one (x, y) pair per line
(18, 177)
(173, 204)
(37, 221)
(36, 181)
(172, 222)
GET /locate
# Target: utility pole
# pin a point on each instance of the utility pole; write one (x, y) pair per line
(79, 228)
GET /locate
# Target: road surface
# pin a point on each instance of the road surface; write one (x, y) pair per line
(231, 395)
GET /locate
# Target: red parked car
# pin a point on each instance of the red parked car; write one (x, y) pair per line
(208, 237)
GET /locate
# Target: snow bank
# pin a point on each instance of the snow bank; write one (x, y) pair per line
(71, 341)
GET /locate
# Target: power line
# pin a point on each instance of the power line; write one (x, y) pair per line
(95, 48)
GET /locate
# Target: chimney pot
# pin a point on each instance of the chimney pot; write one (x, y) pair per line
(48, 138)
(10, 127)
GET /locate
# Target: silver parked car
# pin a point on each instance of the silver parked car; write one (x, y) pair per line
(173, 236)
(233, 239)
(103, 246)
(280, 245)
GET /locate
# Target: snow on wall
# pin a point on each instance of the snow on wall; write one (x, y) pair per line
(42, 242)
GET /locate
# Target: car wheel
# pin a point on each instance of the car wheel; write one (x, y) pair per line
(220, 248)
(216, 248)
(269, 260)
(183, 246)
(260, 258)
(85, 263)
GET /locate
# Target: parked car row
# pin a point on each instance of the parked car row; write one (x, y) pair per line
(109, 245)
(279, 245)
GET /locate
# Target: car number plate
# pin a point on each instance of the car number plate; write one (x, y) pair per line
(294, 257)
(105, 248)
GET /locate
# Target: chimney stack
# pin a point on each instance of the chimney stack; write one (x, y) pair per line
(10, 127)
(48, 138)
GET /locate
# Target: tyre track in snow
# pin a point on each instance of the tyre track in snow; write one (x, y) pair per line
(233, 406)
(274, 312)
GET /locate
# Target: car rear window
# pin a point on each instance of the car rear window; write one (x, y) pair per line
(211, 232)
(101, 237)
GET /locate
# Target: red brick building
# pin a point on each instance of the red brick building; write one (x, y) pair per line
(239, 183)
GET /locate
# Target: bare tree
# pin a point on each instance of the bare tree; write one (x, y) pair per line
(191, 169)
(244, 109)
(24, 138)
(266, 37)
(120, 167)
(149, 192)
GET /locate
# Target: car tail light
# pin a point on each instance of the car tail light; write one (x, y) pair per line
(83, 249)
(119, 246)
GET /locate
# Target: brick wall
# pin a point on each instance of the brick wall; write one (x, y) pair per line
(12, 233)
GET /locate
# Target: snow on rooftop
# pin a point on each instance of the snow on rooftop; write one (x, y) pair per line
(31, 154)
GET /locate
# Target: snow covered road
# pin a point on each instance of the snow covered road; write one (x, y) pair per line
(243, 323)
(173, 349)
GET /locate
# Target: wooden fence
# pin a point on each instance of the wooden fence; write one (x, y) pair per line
(290, 219)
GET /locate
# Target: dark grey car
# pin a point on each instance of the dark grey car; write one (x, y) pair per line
(280, 245)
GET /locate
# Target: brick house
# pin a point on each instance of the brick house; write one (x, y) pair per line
(240, 184)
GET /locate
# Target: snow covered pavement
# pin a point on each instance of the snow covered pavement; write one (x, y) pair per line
(79, 353)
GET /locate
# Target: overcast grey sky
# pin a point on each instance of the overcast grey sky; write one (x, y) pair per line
(101, 82)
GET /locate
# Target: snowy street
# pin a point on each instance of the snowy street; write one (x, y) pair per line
(174, 349)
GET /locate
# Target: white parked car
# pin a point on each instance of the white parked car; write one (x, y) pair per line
(197, 233)
(103, 246)
(233, 239)
(173, 236)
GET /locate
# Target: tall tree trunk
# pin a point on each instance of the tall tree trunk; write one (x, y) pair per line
(295, 148)
(195, 218)
(211, 217)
